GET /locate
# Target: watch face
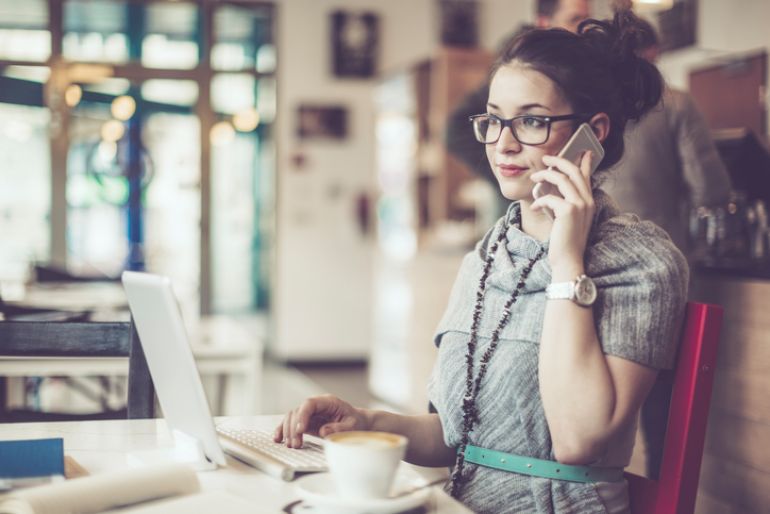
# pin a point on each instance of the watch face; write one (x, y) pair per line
(585, 291)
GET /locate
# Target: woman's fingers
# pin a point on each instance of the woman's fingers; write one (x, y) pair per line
(346, 424)
(305, 413)
(565, 207)
(566, 186)
(559, 206)
(579, 176)
(306, 418)
(282, 430)
(586, 163)
(288, 432)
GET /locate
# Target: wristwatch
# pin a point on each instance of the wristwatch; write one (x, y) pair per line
(582, 291)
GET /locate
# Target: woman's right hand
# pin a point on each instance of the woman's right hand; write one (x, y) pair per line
(321, 416)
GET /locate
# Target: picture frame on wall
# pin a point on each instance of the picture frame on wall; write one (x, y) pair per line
(322, 122)
(355, 41)
(459, 23)
(678, 26)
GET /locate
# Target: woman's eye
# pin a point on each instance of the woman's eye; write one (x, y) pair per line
(531, 122)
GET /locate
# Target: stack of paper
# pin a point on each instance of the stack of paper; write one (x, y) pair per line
(100, 493)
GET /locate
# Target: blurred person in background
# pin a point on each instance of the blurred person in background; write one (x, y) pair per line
(670, 166)
(671, 163)
(566, 14)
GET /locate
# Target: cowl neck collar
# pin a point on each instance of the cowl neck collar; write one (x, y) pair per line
(521, 248)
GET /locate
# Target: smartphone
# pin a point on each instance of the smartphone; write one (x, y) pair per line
(581, 141)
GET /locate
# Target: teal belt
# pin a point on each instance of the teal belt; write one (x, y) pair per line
(540, 468)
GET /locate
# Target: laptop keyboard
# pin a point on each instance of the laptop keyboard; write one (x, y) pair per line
(309, 458)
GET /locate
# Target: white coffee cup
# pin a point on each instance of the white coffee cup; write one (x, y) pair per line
(363, 464)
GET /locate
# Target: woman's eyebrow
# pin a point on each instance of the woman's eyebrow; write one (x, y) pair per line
(523, 108)
(531, 106)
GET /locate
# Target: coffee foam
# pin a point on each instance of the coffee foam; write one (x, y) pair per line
(370, 439)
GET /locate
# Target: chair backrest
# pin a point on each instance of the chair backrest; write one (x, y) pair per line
(85, 339)
(675, 491)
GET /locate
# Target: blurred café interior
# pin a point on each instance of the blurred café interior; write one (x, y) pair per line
(284, 163)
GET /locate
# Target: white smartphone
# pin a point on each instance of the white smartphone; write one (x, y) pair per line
(581, 141)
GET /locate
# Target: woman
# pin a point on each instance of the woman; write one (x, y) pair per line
(558, 374)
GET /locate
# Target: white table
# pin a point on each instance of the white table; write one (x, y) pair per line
(229, 359)
(102, 446)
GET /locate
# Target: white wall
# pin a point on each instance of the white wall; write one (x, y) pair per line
(724, 29)
(499, 18)
(323, 284)
(323, 280)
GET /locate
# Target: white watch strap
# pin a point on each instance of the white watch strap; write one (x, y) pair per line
(560, 291)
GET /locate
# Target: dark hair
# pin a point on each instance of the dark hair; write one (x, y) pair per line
(547, 7)
(597, 70)
(646, 36)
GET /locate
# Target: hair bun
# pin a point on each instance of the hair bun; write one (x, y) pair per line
(619, 41)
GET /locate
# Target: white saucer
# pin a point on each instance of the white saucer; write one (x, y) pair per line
(318, 491)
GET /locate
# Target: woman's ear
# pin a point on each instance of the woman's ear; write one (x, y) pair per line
(600, 124)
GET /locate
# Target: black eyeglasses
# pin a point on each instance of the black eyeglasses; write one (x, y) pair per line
(528, 129)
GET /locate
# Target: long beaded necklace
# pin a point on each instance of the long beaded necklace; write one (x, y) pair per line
(472, 386)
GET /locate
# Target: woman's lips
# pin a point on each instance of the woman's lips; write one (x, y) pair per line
(508, 170)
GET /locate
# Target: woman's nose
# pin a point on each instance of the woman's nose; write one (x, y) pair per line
(507, 142)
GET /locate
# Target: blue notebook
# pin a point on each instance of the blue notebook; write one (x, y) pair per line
(31, 458)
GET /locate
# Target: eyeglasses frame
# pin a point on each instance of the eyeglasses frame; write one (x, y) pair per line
(509, 123)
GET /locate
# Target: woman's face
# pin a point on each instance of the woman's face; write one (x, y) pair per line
(515, 90)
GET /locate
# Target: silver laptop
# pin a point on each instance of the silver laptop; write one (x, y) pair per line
(180, 391)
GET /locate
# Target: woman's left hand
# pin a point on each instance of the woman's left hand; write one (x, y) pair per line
(573, 214)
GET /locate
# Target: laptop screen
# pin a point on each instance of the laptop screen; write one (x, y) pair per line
(170, 359)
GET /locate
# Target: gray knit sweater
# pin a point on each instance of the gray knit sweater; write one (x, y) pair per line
(642, 282)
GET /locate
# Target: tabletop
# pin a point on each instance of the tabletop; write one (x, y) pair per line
(219, 344)
(103, 446)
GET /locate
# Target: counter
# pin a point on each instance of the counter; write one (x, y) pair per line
(735, 474)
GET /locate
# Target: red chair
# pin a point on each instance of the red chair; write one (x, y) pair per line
(674, 492)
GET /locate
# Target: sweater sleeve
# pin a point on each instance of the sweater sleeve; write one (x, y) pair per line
(642, 294)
